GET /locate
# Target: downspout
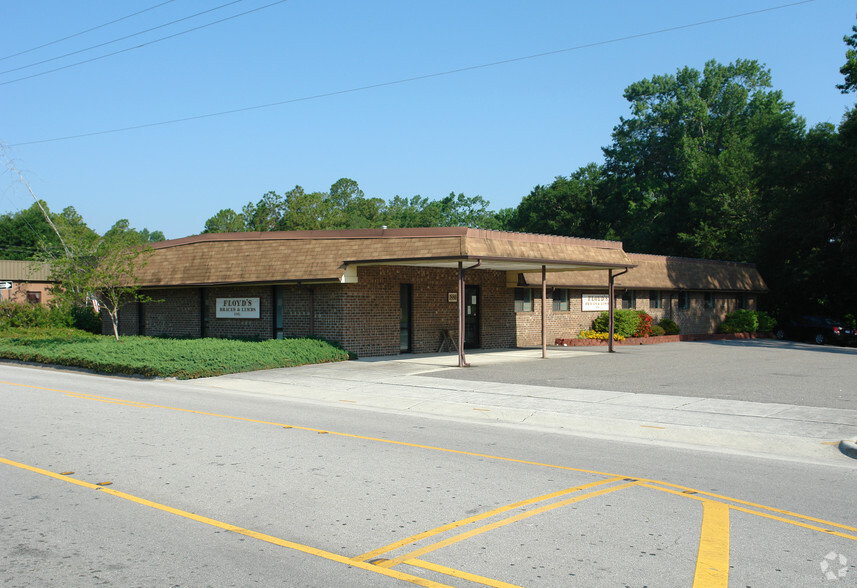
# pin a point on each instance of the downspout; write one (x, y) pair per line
(461, 269)
(611, 304)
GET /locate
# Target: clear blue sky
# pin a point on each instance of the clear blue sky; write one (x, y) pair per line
(495, 131)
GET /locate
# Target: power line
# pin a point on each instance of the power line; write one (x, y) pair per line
(416, 78)
(86, 31)
(137, 34)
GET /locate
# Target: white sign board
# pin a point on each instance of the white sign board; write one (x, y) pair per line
(595, 302)
(5, 285)
(240, 308)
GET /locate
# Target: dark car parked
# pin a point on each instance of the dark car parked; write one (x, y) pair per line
(816, 328)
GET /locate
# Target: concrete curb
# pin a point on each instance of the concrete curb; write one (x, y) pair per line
(849, 448)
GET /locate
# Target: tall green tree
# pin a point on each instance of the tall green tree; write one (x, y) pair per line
(26, 233)
(568, 206)
(225, 221)
(687, 171)
(849, 70)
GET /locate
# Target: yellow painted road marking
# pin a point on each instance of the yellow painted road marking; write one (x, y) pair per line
(471, 454)
(83, 396)
(460, 574)
(700, 495)
(454, 525)
(235, 529)
(712, 561)
(347, 435)
(491, 526)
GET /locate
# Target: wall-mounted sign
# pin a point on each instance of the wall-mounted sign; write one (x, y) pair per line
(452, 296)
(5, 285)
(241, 308)
(595, 302)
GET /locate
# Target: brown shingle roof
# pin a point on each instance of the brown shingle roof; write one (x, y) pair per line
(655, 272)
(276, 257)
(24, 271)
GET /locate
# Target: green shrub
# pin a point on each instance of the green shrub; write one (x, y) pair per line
(625, 322)
(740, 321)
(669, 326)
(767, 323)
(657, 331)
(86, 319)
(24, 314)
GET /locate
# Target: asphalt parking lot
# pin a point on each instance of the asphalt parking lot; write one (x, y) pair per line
(757, 370)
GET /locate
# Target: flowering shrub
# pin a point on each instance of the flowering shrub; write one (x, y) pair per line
(599, 336)
(628, 323)
(644, 326)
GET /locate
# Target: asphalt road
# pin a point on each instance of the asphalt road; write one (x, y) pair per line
(212, 487)
(757, 370)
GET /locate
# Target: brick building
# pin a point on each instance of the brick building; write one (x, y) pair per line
(29, 281)
(389, 291)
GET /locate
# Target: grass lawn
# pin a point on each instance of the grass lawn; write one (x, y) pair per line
(149, 356)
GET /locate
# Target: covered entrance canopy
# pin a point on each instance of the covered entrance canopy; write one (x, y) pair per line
(513, 253)
(318, 257)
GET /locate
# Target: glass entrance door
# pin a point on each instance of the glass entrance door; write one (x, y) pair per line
(471, 317)
(406, 318)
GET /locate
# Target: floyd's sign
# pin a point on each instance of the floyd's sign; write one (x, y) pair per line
(241, 308)
(595, 302)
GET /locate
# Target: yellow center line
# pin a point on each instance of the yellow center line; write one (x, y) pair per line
(712, 561)
(460, 574)
(454, 525)
(491, 526)
(130, 403)
(235, 529)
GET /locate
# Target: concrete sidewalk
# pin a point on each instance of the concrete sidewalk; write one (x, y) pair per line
(402, 384)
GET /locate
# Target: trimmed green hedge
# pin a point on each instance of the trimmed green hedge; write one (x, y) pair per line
(149, 356)
(747, 321)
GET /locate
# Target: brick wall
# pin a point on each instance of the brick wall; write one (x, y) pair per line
(20, 290)
(174, 314)
(365, 317)
(696, 319)
(127, 320)
(371, 309)
(325, 303)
